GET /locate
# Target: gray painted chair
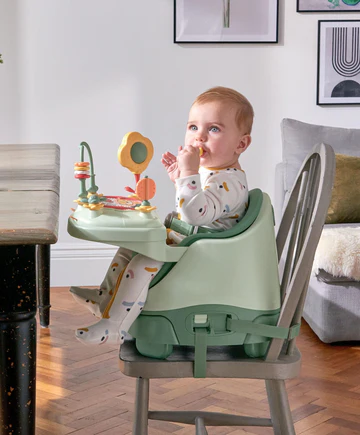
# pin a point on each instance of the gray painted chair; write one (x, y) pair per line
(297, 239)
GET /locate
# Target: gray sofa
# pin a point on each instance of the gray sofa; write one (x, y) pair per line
(332, 307)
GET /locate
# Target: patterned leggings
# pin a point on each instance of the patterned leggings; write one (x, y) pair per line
(132, 278)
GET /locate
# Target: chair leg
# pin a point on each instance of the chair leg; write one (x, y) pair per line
(141, 407)
(279, 408)
(200, 426)
(43, 283)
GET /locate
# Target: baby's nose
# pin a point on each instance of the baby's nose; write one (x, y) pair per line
(200, 137)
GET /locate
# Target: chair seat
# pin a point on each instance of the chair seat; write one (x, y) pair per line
(222, 362)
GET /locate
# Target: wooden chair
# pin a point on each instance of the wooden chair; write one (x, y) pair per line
(297, 239)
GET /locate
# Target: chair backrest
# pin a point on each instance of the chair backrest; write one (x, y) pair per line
(298, 236)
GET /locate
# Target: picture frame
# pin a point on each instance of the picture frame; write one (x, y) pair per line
(338, 72)
(226, 21)
(328, 5)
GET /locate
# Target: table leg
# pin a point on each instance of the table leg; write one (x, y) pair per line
(17, 340)
(43, 283)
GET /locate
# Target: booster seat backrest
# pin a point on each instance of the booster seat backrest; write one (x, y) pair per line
(252, 212)
(240, 271)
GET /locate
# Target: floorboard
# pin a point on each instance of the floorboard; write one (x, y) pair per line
(80, 390)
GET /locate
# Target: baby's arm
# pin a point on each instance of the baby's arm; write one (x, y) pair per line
(185, 164)
(170, 163)
(222, 196)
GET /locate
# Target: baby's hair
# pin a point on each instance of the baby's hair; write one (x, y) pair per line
(245, 111)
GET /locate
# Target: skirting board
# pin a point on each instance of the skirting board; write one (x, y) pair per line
(82, 264)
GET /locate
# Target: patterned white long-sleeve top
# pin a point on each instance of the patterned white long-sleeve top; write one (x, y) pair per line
(214, 198)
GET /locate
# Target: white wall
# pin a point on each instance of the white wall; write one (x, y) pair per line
(9, 73)
(90, 70)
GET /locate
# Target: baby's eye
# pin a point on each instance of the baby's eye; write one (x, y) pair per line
(192, 127)
(214, 129)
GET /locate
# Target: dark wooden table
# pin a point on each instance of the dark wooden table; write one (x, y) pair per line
(29, 213)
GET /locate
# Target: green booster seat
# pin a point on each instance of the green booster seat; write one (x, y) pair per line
(220, 292)
(215, 288)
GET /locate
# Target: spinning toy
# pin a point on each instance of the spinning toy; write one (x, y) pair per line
(128, 221)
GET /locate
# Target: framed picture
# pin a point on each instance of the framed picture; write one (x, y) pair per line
(338, 80)
(226, 21)
(328, 5)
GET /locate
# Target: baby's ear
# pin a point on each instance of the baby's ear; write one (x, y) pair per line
(245, 141)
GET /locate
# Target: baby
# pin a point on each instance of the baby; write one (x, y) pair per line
(211, 191)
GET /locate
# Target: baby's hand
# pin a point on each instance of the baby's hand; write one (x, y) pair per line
(188, 161)
(170, 163)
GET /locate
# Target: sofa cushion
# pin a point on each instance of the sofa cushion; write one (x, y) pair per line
(345, 198)
(298, 139)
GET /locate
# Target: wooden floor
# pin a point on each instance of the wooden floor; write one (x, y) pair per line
(81, 390)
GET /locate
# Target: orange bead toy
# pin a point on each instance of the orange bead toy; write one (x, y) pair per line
(146, 189)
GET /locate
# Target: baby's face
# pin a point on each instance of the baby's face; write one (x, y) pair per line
(212, 127)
